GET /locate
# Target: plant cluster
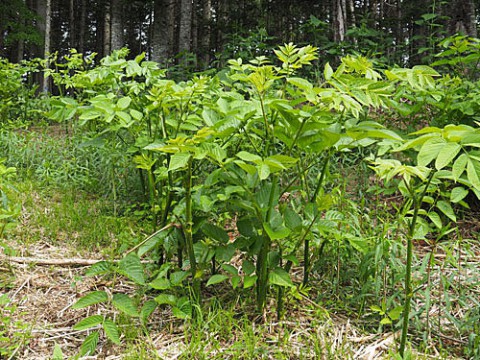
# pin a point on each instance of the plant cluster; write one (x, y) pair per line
(19, 103)
(240, 177)
(238, 165)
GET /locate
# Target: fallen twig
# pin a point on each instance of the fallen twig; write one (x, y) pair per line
(57, 262)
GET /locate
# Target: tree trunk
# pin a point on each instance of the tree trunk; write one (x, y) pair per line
(205, 33)
(41, 10)
(462, 18)
(163, 27)
(46, 52)
(185, 26)
(81, 26)
(107, 33)
(71, 25)
(339, 20)
(117, 41)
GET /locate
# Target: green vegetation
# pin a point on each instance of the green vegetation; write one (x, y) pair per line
(250, 205)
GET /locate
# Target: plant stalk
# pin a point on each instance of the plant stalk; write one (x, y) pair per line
(189, 233)
(417, 202)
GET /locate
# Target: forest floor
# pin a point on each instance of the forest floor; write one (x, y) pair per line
(45, 278)
(42, 267)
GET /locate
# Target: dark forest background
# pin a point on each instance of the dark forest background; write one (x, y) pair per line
(204, 33)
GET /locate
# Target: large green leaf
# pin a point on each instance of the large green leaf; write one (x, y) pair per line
(246, 156)
(293, 221)
(430, 150)
(99, 268)
(131, 267)
(160, 283)
(249, 281)
(215, 232)
(179, 161)
(263, 171)
(435, 219)
(277, 233)
(473, 171)
(124, 103)
(125, 304)
(92, 298)
(147, 309)
(447, 209)
(280, 277)
(459, 166)
(446, 155)
(458, 194)
(167, 299)
(217, 278)
(301, 83)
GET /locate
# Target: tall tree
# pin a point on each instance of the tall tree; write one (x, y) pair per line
(339, 20)
(82, 26)
(116, 8)
(107, 29)
(185, 26)
(163, 30)
(205, 32)
(462, 17)
(47, 43)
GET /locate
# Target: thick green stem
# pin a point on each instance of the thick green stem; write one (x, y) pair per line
(262, 257)
(306, 248)
(262, 273)
(189, 233)
(151, 190)
(417, 202)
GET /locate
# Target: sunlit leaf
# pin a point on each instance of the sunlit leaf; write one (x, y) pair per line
(92, 298)
(131, 267)
(125, 304)
(88, 322)
(111, 331)
(90, 344)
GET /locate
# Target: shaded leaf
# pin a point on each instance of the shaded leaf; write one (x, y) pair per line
(147, 309)
(280, 277)
(166, 299)
(446, 208)
(217, 278)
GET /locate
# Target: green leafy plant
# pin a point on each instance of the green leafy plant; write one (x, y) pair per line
(8, 210)
(131, 267)
(452, 152)
(13, 333)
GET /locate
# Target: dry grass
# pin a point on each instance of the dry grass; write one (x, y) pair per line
(44, 296)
